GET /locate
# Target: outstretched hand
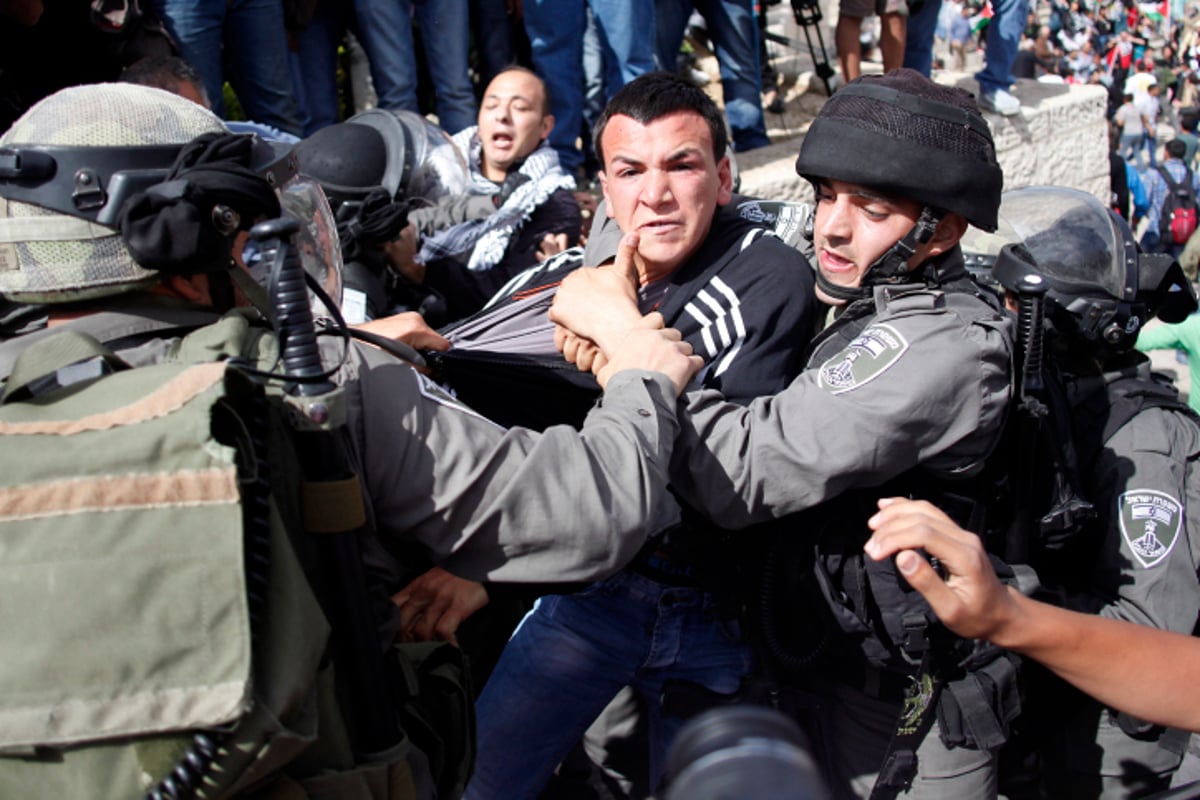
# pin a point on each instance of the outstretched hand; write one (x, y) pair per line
(970, 600)
(408, 327)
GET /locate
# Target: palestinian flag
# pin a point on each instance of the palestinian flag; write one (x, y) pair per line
(980, 21)
(1156, 11)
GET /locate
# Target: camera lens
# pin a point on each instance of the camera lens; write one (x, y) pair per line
(743, 752)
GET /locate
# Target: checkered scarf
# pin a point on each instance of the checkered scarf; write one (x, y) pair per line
(487, 239)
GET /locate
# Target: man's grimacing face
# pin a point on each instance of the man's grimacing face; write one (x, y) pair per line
(662, 182)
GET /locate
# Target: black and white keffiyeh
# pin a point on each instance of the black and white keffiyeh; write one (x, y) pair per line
(487, 239)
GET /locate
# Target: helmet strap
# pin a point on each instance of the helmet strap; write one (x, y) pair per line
(892, 266)
(845, 294)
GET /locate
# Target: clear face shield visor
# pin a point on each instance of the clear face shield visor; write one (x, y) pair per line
(1088, 258)
(1071, 235)
(316, 242)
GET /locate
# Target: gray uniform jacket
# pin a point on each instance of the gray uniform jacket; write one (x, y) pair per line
(1140, 564)
(911, 376)
(489, 503)
(1149, 556)
(512, 505)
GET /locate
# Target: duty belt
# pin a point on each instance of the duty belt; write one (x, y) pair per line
(659, 566)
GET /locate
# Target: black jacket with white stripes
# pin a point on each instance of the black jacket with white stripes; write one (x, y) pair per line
(745, 301)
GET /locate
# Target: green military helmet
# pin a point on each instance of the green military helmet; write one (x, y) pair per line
(909, 138)
(109, 138)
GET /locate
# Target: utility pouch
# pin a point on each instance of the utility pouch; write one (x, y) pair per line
(123, 567)
(437, 711)
(977, 709)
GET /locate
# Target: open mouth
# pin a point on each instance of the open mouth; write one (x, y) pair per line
(832, 263)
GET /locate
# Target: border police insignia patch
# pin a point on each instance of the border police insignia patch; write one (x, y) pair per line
(1150, 523)
(872, 353)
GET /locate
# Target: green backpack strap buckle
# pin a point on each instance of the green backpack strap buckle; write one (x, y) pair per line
(58, 361)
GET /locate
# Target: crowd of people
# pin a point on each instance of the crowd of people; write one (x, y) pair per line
(837, 458)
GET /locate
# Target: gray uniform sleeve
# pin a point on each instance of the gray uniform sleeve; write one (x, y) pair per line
(450, 212)
(515, 505)
(922, 388)
(1148, 562)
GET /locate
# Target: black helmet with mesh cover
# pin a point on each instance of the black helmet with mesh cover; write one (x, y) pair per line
(910, 138)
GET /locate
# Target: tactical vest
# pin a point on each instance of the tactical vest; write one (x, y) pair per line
(164, 627)
(863, 623)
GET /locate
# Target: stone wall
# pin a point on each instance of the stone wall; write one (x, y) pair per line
(1060, 137)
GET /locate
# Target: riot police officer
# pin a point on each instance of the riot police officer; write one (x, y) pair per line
(1135, 447)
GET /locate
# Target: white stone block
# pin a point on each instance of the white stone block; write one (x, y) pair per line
(1059, 137)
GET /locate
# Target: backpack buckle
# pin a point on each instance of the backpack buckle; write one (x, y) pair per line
(916, 634)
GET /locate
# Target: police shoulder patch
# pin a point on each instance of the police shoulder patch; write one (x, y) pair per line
(872, 353)
(1150, 523)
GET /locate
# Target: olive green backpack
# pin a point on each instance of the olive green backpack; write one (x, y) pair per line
(160, 612)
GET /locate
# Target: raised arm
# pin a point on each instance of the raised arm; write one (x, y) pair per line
(1143, 671)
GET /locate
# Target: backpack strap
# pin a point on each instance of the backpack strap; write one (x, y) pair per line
(58, 361)
(1171, 202)
(1166, 176)
(1175, 186)
(899, 765)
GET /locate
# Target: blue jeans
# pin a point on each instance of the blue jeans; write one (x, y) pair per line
(918, 37)
(734, 33)
(1150, 145)
(491, 28)
(314, 67)
(1131, 148)
(250, 36)
(594, 94)
(572, 654)
(1003, 37)
(555, 29)
(385, 30)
